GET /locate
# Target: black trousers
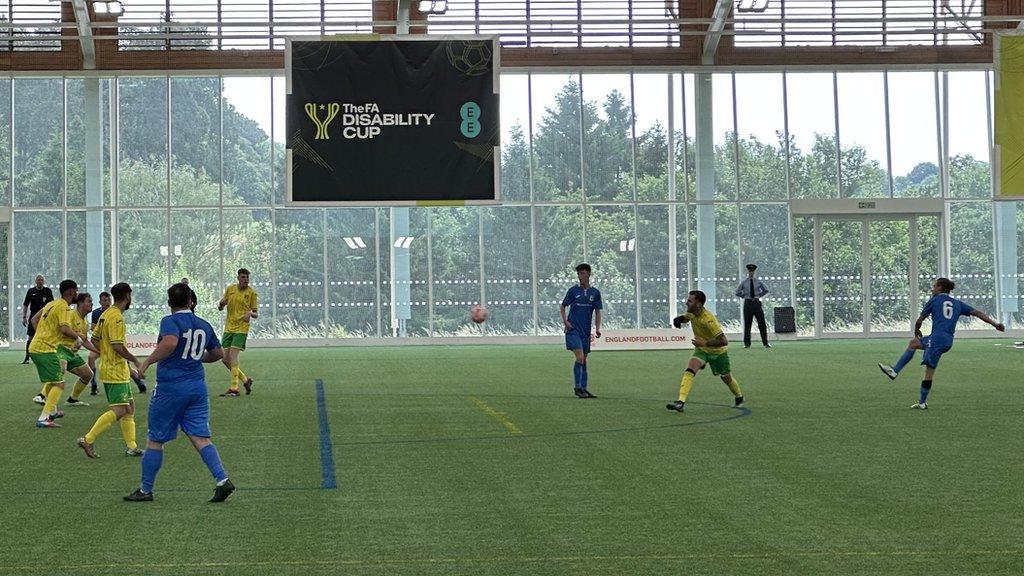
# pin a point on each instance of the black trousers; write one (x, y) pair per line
(753, 309)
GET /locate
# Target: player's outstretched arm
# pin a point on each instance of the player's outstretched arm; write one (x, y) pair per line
(985, 318)
(678, 321)
(163, 349)
(214, 355)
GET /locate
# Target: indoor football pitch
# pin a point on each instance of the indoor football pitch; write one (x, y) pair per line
(479, 460)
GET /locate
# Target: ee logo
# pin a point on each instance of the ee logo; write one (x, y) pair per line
(470, 114)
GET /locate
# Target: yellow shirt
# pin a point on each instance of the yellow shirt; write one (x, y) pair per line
(48, 335)
(239, 302)
(706, 327)
(110, 331)
(77, 324)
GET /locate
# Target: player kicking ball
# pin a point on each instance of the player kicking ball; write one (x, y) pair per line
(181, 399)
(710, 348)
(944, 311)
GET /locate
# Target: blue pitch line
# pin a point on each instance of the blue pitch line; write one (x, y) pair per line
(326, 450)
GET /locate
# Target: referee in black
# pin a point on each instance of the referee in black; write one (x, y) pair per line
(751, 289)
(36, 297)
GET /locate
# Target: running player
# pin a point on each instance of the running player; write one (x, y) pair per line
(51, 324)
(711, 348)
(944, 311)
(114, 374)
(240, 300)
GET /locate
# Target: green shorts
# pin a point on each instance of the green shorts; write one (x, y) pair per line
(118, 393)
(49, 366)
(719, 363)
(234, 340)
(73, 360)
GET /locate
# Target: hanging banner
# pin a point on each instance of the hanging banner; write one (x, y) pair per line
(1008, 157)
(377, 120)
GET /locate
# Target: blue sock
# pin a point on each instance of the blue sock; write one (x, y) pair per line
(908, 355)
(151, 462)
(583, 377)
(577, 374)
(926, 387)
(212, 460)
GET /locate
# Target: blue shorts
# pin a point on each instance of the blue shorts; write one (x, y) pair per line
(933, 350)
(573, 341)
(168, 412)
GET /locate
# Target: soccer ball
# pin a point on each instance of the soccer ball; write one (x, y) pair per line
(478, 314)
(472, 58)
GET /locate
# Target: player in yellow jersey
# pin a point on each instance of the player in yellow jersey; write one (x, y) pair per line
(114, 374)
(68, 350)
(711, 348)
(52, 325)
(240, 300)
(93, 356)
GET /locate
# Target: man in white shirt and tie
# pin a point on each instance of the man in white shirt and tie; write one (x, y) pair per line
(751, 289)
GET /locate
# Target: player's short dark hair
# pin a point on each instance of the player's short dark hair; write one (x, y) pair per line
(179, 296)
(583, 266)
(82, 297)
(120, 291)
(66, 285)
(102, 294)
(243, 271)
(945, 284)
(700, 296)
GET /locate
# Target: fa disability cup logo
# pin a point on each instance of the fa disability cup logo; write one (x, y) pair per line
(313, 111)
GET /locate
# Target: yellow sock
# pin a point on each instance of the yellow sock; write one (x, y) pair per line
(102, 423)
(46, 390)
(241, 375)
(685, 386)
(734, 386)
(128, 431)
(52, 398)
(80, 387)
(235, 371)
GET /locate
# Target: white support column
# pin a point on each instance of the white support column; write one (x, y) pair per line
(705, 161)
(818, 304)
(94, 219)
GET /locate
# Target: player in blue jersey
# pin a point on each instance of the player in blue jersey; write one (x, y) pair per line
(181, 399)
(944, 311)
(584, 303)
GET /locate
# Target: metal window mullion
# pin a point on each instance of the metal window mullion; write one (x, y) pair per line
(673, 245)
(789, 189)
(167, 191)
(273, 212)
(888, 134)
(326, 295)
(865, 274)
(912, 270)
(480, 247)
(942, 130)
(835, 115)
(376, 259)
(220, 179)
(819, 308)
(430, 272)
(532, 207)
(115, 167)
(583, 171)
(686, 184)
(637, 290)
(64, 172)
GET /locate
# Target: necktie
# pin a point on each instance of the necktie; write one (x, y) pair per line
(752, 293)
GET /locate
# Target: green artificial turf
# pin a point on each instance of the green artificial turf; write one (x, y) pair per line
(478, 460)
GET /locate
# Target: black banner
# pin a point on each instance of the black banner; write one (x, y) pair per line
(375, 121)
